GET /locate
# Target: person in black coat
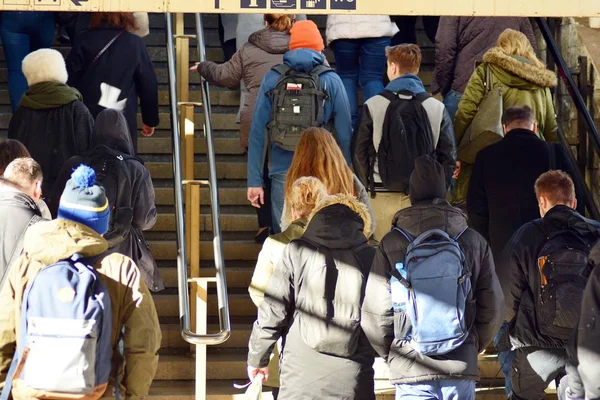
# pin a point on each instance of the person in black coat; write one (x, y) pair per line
(51, 121)
(501, 197)
(117, 77)
(135, 210)
(541, 356)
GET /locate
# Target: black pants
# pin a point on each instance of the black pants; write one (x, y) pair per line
(408, 29)
(533, 369)
(264, 212)
(229, 47)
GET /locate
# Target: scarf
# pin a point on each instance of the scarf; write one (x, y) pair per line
(47, 95)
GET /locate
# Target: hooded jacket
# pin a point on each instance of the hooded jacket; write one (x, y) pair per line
(112, 139)
(461, 42)
(125, 66)
(48, 242)
(52, 135)
(17, 212)
(336, 109)
(336, 227)
(249, 64)
(522, 83)
(519, 272)
(588, 338)
(484, 313)
(370, 130)
(501, 195)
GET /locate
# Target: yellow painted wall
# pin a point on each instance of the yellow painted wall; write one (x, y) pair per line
(531, 8)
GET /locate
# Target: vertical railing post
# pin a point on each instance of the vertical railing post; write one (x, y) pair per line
(582, 133)
(201, 327)
(194, 190)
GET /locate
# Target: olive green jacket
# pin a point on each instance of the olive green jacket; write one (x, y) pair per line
(522, 83)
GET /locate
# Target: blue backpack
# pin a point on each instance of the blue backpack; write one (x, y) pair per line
(65, 341)
(432, 288)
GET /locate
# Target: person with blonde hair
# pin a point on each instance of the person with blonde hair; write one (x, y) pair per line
(317, 154)
(264, 50)
(514, 67)
(306, 193)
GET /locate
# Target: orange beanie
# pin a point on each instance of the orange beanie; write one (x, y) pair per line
(306, 35)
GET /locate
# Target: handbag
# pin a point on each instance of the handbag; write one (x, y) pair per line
(486, 127)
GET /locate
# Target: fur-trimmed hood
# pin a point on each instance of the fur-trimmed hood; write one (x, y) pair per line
(339, 221)
(45, 65)
(511, 67)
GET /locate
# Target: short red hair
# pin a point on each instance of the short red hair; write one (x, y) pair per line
(406, 56)
(121, 20)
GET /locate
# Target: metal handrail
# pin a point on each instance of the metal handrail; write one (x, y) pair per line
(182, 274)
(579, 102)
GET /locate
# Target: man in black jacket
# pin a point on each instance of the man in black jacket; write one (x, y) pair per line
(456, 372)
(541, 354)
(501, 198)
(20, 187)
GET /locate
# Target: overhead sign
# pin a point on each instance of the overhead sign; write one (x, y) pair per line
(529, 8)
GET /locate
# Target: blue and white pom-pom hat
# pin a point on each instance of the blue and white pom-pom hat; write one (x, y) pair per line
(84, 201)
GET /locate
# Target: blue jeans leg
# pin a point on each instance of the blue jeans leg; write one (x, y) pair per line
(22, 33)
(372, 66)
(277, 199)
(437, 390)
(347, 58)
(505, 358)
(451, 100)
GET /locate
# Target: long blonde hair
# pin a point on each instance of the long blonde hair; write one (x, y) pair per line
(517, 44)
(318, 154)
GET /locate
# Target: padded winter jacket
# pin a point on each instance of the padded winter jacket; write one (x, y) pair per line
(48, 242)
(520, 277)
(125, 68)
(522, 83)
(249, 64)
(484, 313)
(335, 234)
(336, 110)
(359, 27)
(112, 140)
(461, 42)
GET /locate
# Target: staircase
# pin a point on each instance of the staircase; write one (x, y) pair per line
(226, 363)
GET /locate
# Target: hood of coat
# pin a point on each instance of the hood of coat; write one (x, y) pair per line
(111, 130)
(51, 241)
(303, 60)
(435, 214)
(565, 218)
(518, 72)
(339, 222)
(271, 41)
(13, 197)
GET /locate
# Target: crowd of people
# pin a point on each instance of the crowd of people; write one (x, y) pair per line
(401, 229)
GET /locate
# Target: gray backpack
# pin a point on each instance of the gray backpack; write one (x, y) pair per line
(298, 104)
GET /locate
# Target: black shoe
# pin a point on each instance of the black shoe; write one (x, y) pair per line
(262, 235)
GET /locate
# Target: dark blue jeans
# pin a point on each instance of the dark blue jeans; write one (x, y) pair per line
(505, 357)
(22, 33)
(361, 61)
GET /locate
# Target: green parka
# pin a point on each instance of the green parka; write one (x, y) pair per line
(522, 83)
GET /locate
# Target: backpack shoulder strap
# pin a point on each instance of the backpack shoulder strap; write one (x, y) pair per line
(320, 70)
(389, 95)
(421, 97)
(410, 238)
(281, 69)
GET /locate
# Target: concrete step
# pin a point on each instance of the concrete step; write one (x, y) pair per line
(240, 334)
(233, 250)
(162, 145)
(233, 169)
(229, 223)
(228, 196)
(240, 305)
(237, 277)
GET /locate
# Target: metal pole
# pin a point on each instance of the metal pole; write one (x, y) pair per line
(221, 278)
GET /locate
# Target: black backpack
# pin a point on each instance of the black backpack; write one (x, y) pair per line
(112, 172)
(406, 135)
(564, 268)
(298, 104)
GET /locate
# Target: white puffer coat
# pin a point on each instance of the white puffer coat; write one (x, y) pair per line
(359, 27)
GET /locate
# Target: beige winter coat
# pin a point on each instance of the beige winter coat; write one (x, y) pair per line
(251, 63)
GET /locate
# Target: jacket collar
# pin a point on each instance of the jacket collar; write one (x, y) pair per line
(520, 134)
(562, 217)
(303, 60)
(409, 82)
(432, 214)
(339, 222)
(15, 198)
(520, 67)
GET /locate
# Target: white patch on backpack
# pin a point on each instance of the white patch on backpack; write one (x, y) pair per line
(110, 97)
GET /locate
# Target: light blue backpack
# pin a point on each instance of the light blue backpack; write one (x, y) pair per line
(65, 341)
(432, 289)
